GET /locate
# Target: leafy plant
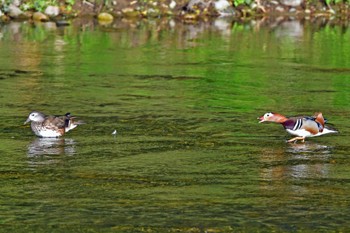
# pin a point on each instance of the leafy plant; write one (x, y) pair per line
(38, 5)
(328, 2)
(238, 2)
(70, 4)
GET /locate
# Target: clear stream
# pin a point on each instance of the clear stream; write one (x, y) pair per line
(189, 154)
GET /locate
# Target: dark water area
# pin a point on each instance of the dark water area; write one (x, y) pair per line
(189, 154)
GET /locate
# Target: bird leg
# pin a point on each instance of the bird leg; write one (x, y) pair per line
(296, 139)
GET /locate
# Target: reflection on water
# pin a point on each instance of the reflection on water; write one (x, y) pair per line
(187, 143)
(287, 170)
(45, 151)
(282, 26)
(292, 29)
(51, 146)
(296, 161)
(301, 149)
(313, 159)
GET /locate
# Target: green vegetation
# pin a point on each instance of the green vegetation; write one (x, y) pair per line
(238, 2)
(38, 5)
(152, 8)
(42, 4)
(328, 2)
(69, 4)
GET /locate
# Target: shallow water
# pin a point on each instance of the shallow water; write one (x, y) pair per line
(189, 154)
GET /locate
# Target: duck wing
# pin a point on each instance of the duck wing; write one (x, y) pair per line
(295, 124)
(54, 123)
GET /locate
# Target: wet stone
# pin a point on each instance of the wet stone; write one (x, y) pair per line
(52, 11)
(292, 3)
(14, 11)
(130, 12)
(105, 17)
(38, 16)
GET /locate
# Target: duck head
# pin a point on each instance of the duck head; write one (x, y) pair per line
(272, 117)
(36, 117)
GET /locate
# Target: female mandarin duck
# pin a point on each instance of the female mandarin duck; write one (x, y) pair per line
(302, 126)
(51, 126)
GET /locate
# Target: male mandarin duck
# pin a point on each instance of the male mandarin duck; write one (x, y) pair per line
(301, 126)
(51, 126)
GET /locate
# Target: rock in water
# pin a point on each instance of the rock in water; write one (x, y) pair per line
(15, 2)
(292, 3)
(105, 17)
(14, 11)
(223, 7)
(62, 23)
(38, 16)
(215, 7)
(52, 11)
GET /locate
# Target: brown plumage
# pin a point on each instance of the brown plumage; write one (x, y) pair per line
(51, 126)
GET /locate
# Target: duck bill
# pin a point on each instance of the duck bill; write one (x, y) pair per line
(261, 119)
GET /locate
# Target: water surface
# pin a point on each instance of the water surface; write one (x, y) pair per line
(189, 154)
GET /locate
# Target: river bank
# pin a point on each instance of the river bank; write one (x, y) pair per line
(188, 10)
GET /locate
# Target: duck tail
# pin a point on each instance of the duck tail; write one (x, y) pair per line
(329, 129)
(71, 122)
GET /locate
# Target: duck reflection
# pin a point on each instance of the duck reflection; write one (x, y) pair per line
(309, 148)
(309, 160)
(51, 146)
(296, 161)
